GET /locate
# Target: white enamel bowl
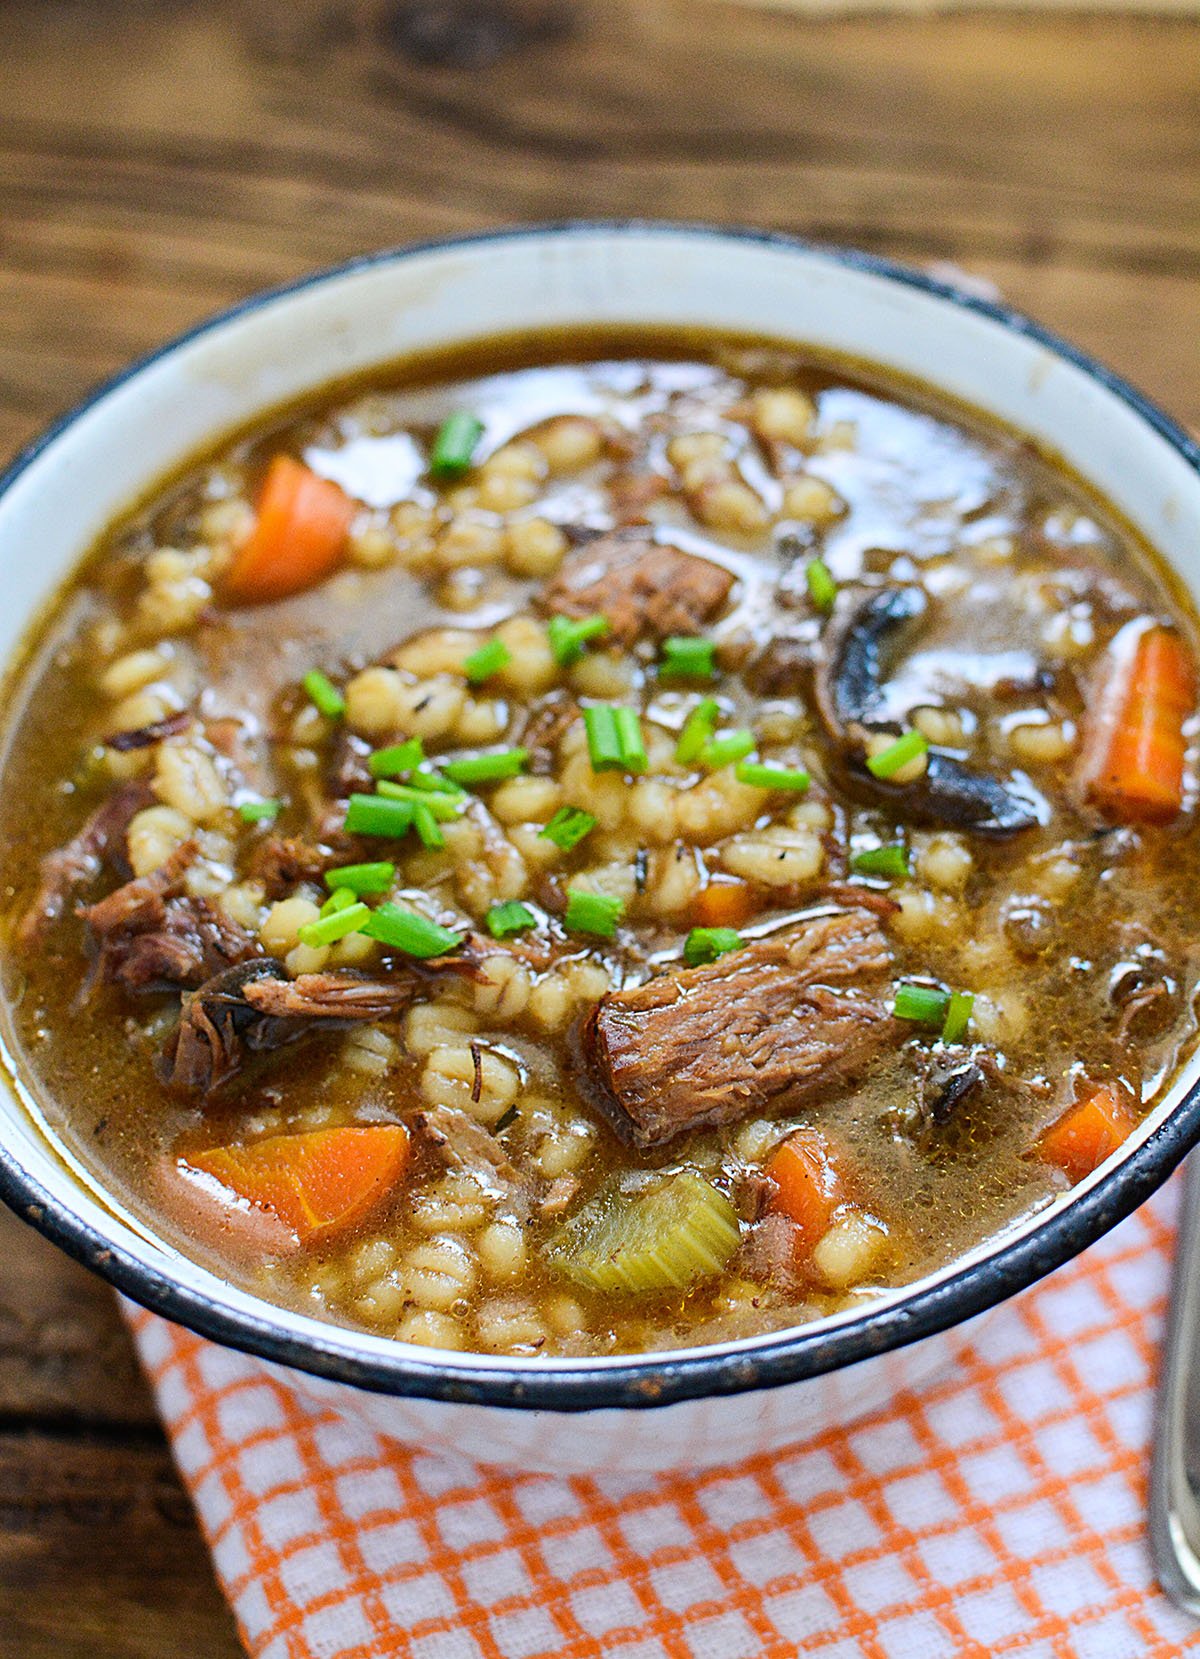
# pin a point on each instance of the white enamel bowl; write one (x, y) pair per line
(688, 1407)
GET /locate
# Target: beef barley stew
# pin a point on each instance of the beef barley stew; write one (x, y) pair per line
(597, 843)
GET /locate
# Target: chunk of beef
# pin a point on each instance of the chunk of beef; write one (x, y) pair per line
(192, 941)
(640, 585)
(251, 1008)
(780, 1020)
(99, 845)
(151, 937)
(282, 862)
(462, 1143)
(331, 996)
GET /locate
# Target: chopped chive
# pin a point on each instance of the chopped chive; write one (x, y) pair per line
(568, 638)
(596, 913)
(361, 878)
(426, 825)
(697, 730)
(684, 658)
(488, 660)
(568, 827)
(822, 589)
(376, 815)
(705, 944)
(445, 808)
(794, 778)
(958, 1016)
(890, 861)
(604, 745)
(396, 758)
(323, 694)
(630, 741)
(335, 926)
(723, 751)
(503, 920)
(505, 763)
(454, 446)
(431, 781)
(340, 899)
(402, 929)
(259, 812)
(897, 755)
(924, 1004)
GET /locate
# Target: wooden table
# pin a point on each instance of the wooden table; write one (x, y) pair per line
(158, 160)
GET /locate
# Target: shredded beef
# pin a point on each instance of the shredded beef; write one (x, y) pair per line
(145, 736)
(193, 941)
(282, 862)
(464, 1144)
(99, 845)
(542, 730)
(348, 769)
(251, 1008)
(779, 1020)
(640, 585)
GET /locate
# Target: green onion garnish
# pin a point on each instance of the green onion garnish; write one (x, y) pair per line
(323, 694)
(614, 738)
(454, 447)
(822, 589)
(592, 912)
(376, 815)
(361, 878)
(723, 751)
(396, 758)
(897, 755)
(688, 659)
(958, 1016)
(705, 944)
(340, 899)
(604, 746)
(630, 741)
(259, 812)
(445, 808)
(431, 782)
(426, 824)
(890, 861)
(697, 729)
(336, 925)
(488, 660)
(402, 929)
(506, 763)
(924, 1004)
(568, 638)
(794, 778)
(568, 827)
(503, 920)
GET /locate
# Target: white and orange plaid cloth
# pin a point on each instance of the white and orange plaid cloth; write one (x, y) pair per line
(1001, 1511)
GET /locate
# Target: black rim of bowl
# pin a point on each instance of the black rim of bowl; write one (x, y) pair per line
(651, 1380)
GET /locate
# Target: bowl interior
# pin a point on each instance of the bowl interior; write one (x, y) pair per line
(61, 495)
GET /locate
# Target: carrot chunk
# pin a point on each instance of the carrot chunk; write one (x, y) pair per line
(1088, 1132)
(298, 537)
(1133, 762)
(319, 1184)
(808, 1188)
(724, 903)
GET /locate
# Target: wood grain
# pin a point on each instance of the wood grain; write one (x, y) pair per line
(159, 160)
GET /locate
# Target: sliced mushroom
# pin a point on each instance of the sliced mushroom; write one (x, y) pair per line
(849, 681)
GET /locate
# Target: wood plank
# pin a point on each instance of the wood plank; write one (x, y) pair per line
(100, 1557)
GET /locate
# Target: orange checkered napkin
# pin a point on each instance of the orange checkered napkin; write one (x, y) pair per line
(1000, 1512)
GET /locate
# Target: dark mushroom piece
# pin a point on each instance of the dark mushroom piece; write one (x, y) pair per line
(849, 679)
